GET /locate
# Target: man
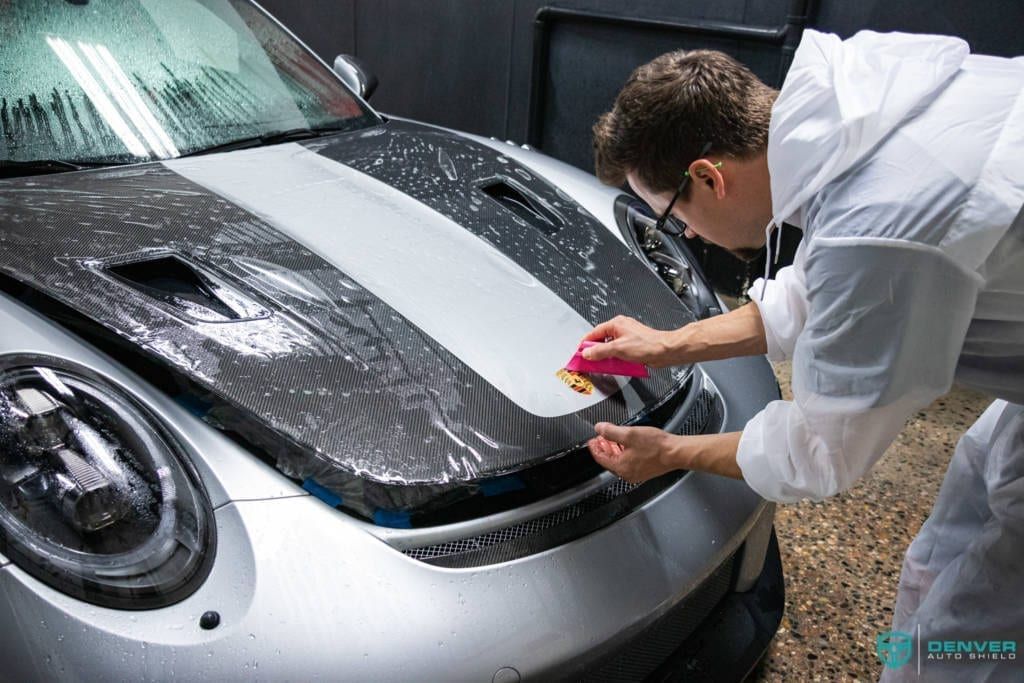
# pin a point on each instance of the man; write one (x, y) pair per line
(901, 158)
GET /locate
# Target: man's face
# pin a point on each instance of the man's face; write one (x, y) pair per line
(710, 211)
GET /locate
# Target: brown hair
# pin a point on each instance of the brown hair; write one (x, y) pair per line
(671, 107)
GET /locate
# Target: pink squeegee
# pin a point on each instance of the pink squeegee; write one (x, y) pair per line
(607, 366)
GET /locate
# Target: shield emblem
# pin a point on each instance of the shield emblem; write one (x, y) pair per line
(894, 648)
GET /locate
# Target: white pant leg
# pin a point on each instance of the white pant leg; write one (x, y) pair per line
(963, 576)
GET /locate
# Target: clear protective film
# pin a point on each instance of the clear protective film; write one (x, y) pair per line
(382, 313)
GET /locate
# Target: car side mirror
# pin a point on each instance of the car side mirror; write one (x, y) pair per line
(355, 74)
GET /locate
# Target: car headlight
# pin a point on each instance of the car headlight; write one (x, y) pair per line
(667, 255)
(96, 499)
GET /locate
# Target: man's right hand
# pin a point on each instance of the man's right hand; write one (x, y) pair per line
(631, 340)
(736, 333)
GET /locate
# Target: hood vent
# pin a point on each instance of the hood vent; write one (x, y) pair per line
(524, 204)
(188, 290)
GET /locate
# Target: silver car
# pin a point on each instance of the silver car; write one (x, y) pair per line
(282, 386)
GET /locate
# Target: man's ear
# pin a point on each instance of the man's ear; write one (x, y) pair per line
(707, 175)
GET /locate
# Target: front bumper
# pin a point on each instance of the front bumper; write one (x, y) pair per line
(304, 591)
(731, 640)
(325, 599)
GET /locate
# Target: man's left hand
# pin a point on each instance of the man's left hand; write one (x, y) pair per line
(640, 453)
(636, 454)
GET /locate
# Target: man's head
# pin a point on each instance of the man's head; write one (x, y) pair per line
(668, 111)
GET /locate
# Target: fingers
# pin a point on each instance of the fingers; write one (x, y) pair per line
(609, 329)
(621, 435)
(631, 453)
(602, 331)
(598, 448)
(601, 351)
(610, 448)
(606, 453)
(609, 455)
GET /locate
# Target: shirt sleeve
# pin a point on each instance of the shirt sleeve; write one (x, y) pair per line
(782, 302)
(885, 322)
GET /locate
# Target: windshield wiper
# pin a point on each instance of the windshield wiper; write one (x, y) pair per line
(271, 138)
(14, 169)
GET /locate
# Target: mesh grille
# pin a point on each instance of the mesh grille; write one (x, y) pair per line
(695, 423)
(649, 649)
(533, 526)
(700, 415)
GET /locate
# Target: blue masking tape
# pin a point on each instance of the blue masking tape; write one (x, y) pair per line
(193, 404)
(493, 487)
(392, 518)
(327, 496)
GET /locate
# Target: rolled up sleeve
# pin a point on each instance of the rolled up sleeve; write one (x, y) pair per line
(782, 303)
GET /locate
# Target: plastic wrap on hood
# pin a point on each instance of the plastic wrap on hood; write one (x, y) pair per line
(380, 312)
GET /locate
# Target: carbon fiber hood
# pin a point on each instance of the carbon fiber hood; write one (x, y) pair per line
(386, 314)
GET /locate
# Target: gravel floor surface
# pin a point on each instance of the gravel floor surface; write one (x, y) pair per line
(842, 557)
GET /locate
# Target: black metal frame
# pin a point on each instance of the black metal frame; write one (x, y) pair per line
(786, 35)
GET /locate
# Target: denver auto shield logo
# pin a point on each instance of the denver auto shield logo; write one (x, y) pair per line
(894, 648)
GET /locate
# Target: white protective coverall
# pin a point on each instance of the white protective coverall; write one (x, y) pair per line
(902, 159)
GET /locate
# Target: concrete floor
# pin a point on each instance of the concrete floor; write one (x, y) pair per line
(842, 557)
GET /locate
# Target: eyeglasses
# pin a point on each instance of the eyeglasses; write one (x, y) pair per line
(663, 220)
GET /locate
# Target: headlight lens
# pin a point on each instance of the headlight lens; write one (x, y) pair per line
(96, 500)
(667, 255)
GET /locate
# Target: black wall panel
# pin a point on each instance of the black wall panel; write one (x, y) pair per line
(587, 64)
(992, 27)
(467, 63)
(444, 61)
(583, 93)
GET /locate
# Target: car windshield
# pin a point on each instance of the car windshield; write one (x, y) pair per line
(121, 81)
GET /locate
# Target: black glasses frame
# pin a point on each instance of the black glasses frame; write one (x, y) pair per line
(663, 219)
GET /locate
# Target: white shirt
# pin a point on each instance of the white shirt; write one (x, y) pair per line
(905, 156)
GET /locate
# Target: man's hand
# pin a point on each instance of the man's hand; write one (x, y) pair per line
(737, 333)
(631, 340)
(636, 454)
